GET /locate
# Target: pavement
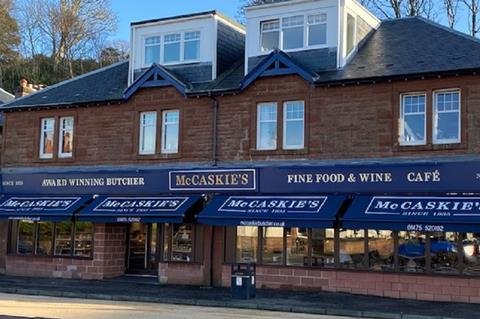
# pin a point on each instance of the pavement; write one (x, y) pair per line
(67, 308)
(319, 303)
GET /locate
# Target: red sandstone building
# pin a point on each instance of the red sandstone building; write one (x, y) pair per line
(335, 151)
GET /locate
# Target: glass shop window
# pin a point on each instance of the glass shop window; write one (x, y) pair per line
(66, 137)
(148, 133)
(267, 126)
(247, 244)
(413, 125)
(444, 252)
(83, 239)
(63, 239)
(26, 235)
(182, 242)
(297, 246)
(471, 251)
(323, 247)
(352, 249)
(47, 132)
(411, 251)
(446, 117)
(272, 253)
(170, 131)
(44, 238)
(294, 125)
(381, 250)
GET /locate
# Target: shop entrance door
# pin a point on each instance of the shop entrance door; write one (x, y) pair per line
(142, 249)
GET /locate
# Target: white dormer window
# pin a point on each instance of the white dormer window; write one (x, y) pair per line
(317, 29)
(152, 50)
(192, 46)
(270, 35)
(171, 48)
(292, 32)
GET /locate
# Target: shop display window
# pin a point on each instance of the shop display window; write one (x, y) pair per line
(323, 253)
(471, 253)
(412, 250)
(25, 242)
(381, 250)
(247, 244)
(178, 242)
(297, 246)
(352, 249)
(272, 253)
(83, 239)
(44, 238)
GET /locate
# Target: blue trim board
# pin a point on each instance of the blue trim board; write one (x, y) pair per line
(276, 59)
(161, 77)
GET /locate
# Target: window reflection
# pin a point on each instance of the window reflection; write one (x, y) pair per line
(272, 245)
(352, 249)
(247, 243)
(45, 235)
(411, 251)
(182, 242)
(381, 250)
(323, 247)
(63, 239)
(444, 252)
(26, 230)
(297, 246)
(471, 252)
(83, 239)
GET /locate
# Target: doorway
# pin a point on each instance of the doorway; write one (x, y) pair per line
(142, 250)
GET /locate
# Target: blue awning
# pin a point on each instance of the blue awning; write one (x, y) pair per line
(145, 209)
(273, 211)
(40, 208)
(414, 213)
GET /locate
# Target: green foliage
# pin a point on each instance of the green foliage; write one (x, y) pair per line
(9, 37)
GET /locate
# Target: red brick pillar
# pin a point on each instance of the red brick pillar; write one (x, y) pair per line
(109, 250)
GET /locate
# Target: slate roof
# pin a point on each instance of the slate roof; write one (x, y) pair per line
(399, 48)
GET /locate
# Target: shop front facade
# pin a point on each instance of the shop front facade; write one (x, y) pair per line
(361, 177)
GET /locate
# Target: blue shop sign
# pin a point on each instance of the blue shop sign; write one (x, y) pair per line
(213, 180)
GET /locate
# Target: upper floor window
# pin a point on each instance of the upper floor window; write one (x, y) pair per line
(46, 137)
(192, 46)
(293, 125)
(170, 131)
(293, 32)
(446, 113)
(270, 35)
(152, 50)
(66, 137)
(351, 32)
(413, 119)
(171, 48)
(148, 133)
(317, 29)
(267, 126)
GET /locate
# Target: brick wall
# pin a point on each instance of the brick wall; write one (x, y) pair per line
(342, 122)
(3, 244)
(108, 259)
(407, 286)
(109, 134)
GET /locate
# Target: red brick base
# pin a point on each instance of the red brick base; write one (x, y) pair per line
(407, 286)
(108, 259)
(182, 274)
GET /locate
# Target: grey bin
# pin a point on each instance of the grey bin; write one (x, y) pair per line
(243, 281)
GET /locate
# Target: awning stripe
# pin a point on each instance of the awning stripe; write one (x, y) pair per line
(146, 209)
(273, 211)
(414, 213)
(40, 208)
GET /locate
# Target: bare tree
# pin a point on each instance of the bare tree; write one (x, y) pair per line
(451, 10)
(472, 7)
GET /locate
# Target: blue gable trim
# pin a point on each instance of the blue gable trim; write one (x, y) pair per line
(282, 64)
(155, 76)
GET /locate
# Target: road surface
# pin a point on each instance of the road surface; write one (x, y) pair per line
(65, 308)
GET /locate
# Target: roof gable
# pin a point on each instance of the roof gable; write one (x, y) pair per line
(155, 76)
(277, 63)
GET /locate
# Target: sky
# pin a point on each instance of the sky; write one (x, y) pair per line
(136, 10)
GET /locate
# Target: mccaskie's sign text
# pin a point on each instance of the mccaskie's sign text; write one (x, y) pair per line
(425, 206)
(140, 204)
(23, 204)
(238, 179)
(274, 205)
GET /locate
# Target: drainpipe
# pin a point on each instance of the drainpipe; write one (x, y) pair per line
(215, 131)
(215, 162)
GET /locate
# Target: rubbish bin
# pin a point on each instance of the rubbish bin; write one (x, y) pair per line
(243, 281)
